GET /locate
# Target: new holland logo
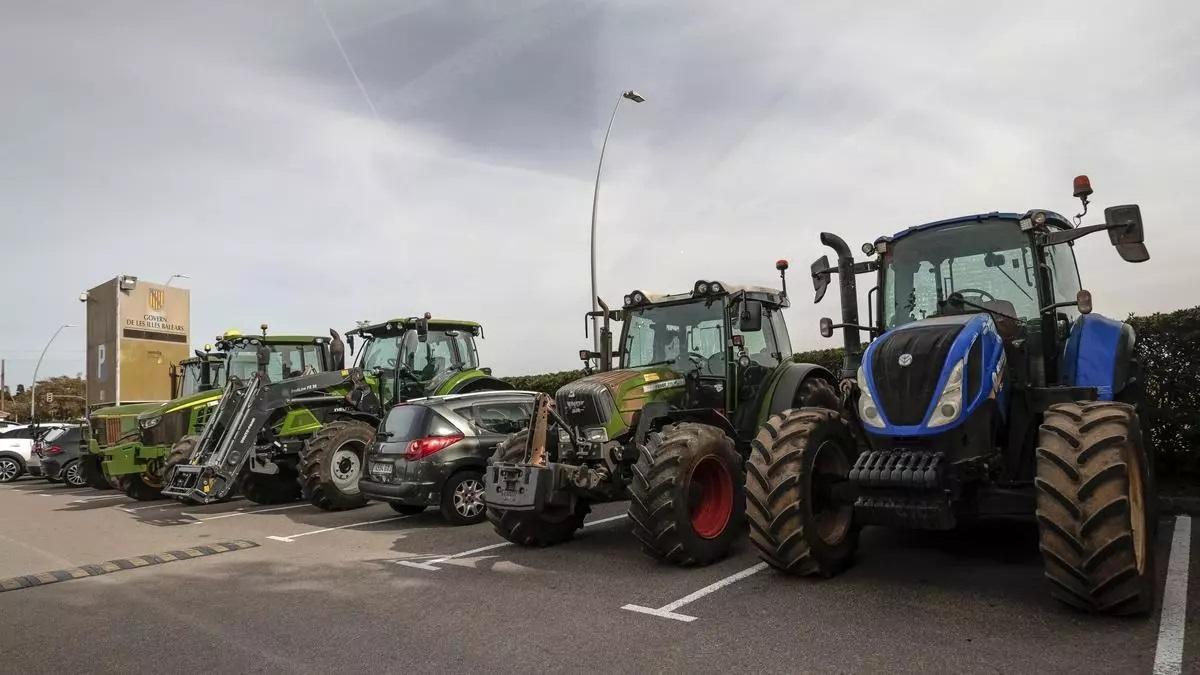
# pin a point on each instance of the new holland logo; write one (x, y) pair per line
(906, 359)
(157, 299)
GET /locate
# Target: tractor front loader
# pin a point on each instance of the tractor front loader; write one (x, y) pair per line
(668, 430)
(989, 389)
(304, 437)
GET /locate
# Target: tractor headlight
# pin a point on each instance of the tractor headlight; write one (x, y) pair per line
(595, 434)
(949, 404)
(150, 423)
(868, 410)
(563, 436)
(715, 287)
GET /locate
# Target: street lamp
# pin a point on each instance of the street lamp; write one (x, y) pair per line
(33, 390)
(636, 98)
(174, 277)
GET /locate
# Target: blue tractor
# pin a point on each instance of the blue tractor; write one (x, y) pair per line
(988, 389)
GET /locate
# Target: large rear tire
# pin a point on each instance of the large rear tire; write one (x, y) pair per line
(795, 525)
(686, 500)
(180, 453)
(93, 472)
(1094, 505)
(529, 528)
(331, 464)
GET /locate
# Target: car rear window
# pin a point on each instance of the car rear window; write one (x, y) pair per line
(17, 433)
(409, 422)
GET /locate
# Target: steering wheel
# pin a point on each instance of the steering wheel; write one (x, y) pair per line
(984, 295)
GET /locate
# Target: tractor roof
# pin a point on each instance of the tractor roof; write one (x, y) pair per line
(761, 293)
(1052, 218)
(410, 323)
(276, 339)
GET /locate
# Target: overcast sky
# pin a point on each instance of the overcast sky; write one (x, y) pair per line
(230, 141)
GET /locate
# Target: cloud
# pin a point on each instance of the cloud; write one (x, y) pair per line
(230, 142)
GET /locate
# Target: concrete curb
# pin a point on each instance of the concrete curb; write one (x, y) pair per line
(55, 576)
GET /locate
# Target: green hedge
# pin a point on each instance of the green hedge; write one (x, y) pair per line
(1168, 349)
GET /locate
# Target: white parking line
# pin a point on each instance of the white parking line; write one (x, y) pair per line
(1168, 657)
(200, 517)
(156, 505)
(89, 500)
(668, 611)
(429, 564)
(293, 537)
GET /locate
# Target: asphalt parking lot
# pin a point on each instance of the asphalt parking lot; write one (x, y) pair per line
(369, 590)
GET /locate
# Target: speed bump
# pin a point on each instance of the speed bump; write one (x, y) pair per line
(108, 567)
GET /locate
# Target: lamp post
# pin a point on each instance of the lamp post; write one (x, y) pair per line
(636, 98)
(174, 277)
(33, 390)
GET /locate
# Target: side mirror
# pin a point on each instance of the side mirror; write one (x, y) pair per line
(263, 357)
(820, 277)
(1083, 300)
(826, 327)
(423, 328)
(1127, 239)
(337, 350)
(750, 320)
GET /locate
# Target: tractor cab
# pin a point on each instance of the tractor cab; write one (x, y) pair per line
(279, 357)
(203, 372)
(714, 347)
(412, 357)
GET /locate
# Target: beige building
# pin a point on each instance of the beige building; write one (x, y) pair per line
(135, 331)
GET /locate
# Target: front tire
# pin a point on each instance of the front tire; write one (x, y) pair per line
(180, 453)
(136, 487)
(1094, 507)
(533, 528)
(93, 472)
(795, 525)
(263, 488)
(331, 464)
(685, 501)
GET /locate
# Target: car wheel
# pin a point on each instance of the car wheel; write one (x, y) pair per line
(462, 498)
(10, 469)
(73, 475)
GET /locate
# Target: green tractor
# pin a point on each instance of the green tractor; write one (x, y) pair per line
(989, 390)
(139, 462)
(283, 439)
(668, 430)
(114, 426)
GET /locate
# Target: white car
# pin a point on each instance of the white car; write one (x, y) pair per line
(16, 450)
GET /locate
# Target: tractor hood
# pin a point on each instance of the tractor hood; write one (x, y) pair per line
(128, 410)
(929, 376)
(612, 399)
(184, 402)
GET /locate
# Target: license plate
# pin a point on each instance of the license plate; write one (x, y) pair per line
(382, 469)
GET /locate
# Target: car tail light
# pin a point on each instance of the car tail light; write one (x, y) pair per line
(52, 450)
(424, 447)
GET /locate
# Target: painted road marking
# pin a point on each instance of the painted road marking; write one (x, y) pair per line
(429, 564)
(108, 567)
(668, 611)
(1168, 656)
(200, 517)
(156, 505)
(293, 537)
(89, 500)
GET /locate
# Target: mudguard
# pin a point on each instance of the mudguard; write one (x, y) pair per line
(1099, 354)
(781, 394)
(657, 413)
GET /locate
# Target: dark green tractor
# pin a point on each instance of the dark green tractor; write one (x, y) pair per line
(286, 438)
(669, 429)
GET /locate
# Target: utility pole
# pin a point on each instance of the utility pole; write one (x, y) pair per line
(2, 387)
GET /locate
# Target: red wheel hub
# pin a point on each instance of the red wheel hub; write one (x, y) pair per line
(712, 506)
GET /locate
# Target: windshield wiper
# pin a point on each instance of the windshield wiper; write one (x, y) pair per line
(956, 299)
(1014, 283)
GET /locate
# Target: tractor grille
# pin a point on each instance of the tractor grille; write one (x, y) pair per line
(112, 431)
(905, 391)
(172, 428)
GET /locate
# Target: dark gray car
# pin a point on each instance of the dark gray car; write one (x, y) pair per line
(433, 451)
(59, 451)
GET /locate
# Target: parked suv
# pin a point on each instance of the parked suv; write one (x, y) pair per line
(59, 451)
(16, 450)
(433, 451)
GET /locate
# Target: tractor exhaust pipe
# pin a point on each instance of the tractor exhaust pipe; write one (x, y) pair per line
(851, 339)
